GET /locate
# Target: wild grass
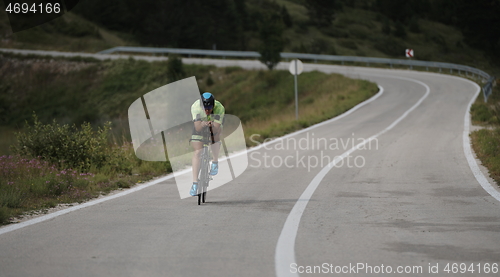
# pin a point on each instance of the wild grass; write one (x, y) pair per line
(67, 33)
(34, 183)
(354, 31)
(487, 113)
(358, 32)
(7, 138)
(76, 91)
(73, 92)
(85, 90)
(272, 110)
(31, 183)
(486, 142)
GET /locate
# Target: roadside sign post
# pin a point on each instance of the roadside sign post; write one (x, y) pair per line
(296, 67)
(296, 93)
(409, 54)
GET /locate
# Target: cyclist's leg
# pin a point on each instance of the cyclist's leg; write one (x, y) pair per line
(216, 148)
(214, 169)
(215, 151)
(197, 147)
(216, 139)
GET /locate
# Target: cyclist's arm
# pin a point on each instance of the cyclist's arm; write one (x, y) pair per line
(216, 124)
(215, 127)
(199, 124)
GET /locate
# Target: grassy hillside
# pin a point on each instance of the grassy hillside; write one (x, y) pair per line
(364, 32)
(354, 32)
(486, 142)
(67, 33)
(77, 91)
(73, 91)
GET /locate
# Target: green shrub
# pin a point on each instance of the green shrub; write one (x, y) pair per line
(386, 26)
(486, 144)
(123, 184)
(348, 44)
(272, 43)
(72, 28)
(67, 146)
(359, 31)
(231, 69)
(400, 30)
(300, 48)
(51, 204)
(480, 112)
(175, 68)
(414, 27)
(389, 46)
(321, 46)
(4, 214)
(210, 81)
(10, 198)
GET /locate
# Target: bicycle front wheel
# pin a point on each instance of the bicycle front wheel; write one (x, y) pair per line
(204, 176)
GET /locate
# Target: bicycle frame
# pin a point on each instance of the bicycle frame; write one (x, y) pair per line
(204, 174)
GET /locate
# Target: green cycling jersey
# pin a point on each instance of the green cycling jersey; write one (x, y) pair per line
(216, 116)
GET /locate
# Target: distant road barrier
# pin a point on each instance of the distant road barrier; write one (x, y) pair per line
(469, 71)
(313, 57)
(316, 57)
(488, 88)
(197, 52)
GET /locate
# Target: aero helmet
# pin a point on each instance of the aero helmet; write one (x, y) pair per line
(208, 100)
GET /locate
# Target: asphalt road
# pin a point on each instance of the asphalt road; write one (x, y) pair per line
(405, 200)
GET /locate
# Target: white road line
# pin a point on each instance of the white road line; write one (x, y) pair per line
(18, 226)
(478, 174)
(14, 227)
(380, 92)
(285, 248)
(468, 151)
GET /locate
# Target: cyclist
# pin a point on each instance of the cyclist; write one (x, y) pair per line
(206, 112)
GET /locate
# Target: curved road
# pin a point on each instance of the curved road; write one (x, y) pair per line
(403, 198)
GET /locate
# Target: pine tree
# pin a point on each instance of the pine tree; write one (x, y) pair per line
(270, 33)
(175, 69)
(321, 12)
(285, 16)
(400, 30)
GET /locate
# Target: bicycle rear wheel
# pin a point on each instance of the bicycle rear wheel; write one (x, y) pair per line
(204, 184)
(203, 177)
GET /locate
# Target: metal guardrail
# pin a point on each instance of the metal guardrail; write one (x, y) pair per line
(314, 57)
(488, 88)
(198, 52)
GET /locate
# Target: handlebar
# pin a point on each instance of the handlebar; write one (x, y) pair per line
(208, 134)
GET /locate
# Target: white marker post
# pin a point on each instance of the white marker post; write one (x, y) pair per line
(296, 67)
(409, 54)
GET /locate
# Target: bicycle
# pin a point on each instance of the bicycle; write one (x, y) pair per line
(204, 175)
